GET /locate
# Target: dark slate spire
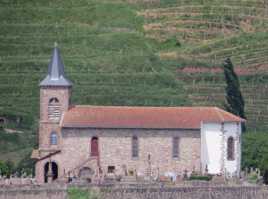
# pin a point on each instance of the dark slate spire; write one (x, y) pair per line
(55, 76)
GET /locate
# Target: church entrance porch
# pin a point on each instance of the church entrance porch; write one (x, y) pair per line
(50, 172)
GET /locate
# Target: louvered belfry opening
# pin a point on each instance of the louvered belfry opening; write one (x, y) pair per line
(54, 110)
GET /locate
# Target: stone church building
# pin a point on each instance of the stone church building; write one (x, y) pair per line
(93, 142)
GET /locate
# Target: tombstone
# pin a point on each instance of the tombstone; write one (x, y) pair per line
(124, 170)
(18, 120)
(24, 174)
(194, 172)
(185, 174)
(206, 170)
(242, 174)
(258, 172)
(246, 172)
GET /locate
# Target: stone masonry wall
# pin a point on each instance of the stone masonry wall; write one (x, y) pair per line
(46, 126)
(115, 150)
(136, 192)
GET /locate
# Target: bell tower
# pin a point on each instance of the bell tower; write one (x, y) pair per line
(55, 93)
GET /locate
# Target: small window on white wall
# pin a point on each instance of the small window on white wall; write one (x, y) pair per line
(53, 138)
(230, 148)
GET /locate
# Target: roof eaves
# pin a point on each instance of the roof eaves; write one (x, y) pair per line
(98, 127)
(233, 115)
(219, 114)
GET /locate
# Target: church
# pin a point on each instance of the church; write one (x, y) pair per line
(93, 142)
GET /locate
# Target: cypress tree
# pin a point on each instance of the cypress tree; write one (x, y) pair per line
(234, 99)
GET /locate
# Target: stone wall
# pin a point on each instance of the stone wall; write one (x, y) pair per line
(137, 192)
(33, 192)
(188, 193)
(115, 150)
(46, 125)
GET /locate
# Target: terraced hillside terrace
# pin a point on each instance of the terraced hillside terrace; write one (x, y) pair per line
(201, 34)
(148, 53)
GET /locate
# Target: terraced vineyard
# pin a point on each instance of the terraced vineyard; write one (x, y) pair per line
(158, 52)
(201, 34)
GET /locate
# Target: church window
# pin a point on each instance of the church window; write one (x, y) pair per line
(135, 147)
(94, 146)
(175, 147)
(53, 138)
(54, 109)
(230, 148)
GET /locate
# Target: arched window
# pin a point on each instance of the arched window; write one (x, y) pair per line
(135, 147)
(230, 148)
(54, 109)
(94, 146)
(54, 100)
(175, 147)
(53, 138)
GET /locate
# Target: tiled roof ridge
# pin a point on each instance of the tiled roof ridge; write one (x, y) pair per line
(122, 106)
(144, 116)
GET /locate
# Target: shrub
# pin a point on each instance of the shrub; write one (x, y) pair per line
(199, 177)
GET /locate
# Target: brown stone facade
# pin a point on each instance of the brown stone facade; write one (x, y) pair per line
(73, 149)
(115, 150)
(46, 126)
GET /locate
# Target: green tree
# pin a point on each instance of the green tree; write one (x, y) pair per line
(6, 168)
(234, 99)
(3, 168)
(255, 152)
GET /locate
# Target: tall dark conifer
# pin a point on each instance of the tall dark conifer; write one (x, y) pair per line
(234, 99)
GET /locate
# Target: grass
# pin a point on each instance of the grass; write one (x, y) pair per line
(15, 146)
(77, 193)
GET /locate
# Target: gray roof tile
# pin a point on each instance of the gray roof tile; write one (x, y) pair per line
(56, 76)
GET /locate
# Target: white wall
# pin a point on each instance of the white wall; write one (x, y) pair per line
(211, 141)
(214, 138)
(232, 168)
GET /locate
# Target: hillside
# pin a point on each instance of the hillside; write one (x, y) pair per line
(161, 53)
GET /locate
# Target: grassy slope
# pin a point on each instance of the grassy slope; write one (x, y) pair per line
(129, 54)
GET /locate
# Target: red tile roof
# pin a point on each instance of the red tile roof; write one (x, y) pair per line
(144, 117)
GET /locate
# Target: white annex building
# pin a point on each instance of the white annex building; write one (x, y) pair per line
(94, 141)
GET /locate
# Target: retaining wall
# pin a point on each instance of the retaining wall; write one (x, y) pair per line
(139, 192)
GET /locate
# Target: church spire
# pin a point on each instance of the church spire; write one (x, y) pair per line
(56, 76)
